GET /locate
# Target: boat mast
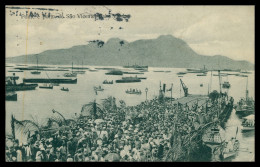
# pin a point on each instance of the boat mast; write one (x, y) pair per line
(246, 88)
(37, 62)
(219, 77)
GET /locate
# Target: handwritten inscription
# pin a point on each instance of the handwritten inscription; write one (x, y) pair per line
(61, 15)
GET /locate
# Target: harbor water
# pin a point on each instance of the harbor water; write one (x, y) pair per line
(38, 104)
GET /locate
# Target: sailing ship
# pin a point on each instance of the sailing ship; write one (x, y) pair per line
(245, 106)
(36, 72)
(133, 91)
(72, 74)
(80, 72)
(248, 123)
(46, 86)
(108, 82)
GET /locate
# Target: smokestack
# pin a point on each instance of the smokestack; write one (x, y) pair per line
(164, 87)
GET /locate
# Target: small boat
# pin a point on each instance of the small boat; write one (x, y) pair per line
(108, 82)
(141, 77)
(230, 148)
(241, 75)
(15, 71)
(222, 74)
(158, 71)
(134, 91)
(11, 96)
(204, 74)
(226, 84)
(114, 72)
(64, 89)
(246, 72)
(72, 74)
(136, 67)
(133, 73)
(181, 73)
(92, 70)
(80, 72)
(248, 123)
(99, 88)
(55, 84)
(35, 72)
(46, 86)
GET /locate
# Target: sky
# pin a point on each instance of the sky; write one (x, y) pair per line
(208, 30)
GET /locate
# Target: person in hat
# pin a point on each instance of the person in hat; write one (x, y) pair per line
(49, 157)
(69, 158)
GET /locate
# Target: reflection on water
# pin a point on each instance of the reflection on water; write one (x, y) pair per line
(40, 102)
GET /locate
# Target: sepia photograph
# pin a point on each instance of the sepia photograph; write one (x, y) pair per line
(118, 83)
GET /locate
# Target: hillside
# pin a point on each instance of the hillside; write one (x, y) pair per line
(164, 51)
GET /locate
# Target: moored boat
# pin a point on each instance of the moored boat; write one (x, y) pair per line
(226, 84)
(128, 80)
(245, 106)
(98, 88)
(204, 74)
(36, 72)
(11, 96)
(46, 86)
(10, 85)
(181, 73)
(133, 91)
(248, 123)
(108, 82)
(64, 89)
(51, 80)
(114, 72)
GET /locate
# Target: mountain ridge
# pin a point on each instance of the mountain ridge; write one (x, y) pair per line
(164, 51)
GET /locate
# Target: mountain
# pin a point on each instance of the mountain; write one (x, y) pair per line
(164, 51)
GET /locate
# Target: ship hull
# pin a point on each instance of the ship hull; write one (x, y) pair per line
(128, 81)
(35, 72)
(12, 97)
(244, 113)
(20, 87)
(52, 80)
(45, 87)
(246, 129)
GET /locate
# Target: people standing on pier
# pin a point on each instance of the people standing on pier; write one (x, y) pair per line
(146, 132)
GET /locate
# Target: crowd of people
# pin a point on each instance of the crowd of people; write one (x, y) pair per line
(146, 132)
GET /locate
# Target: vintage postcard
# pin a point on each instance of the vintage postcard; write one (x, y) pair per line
(130, 83)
